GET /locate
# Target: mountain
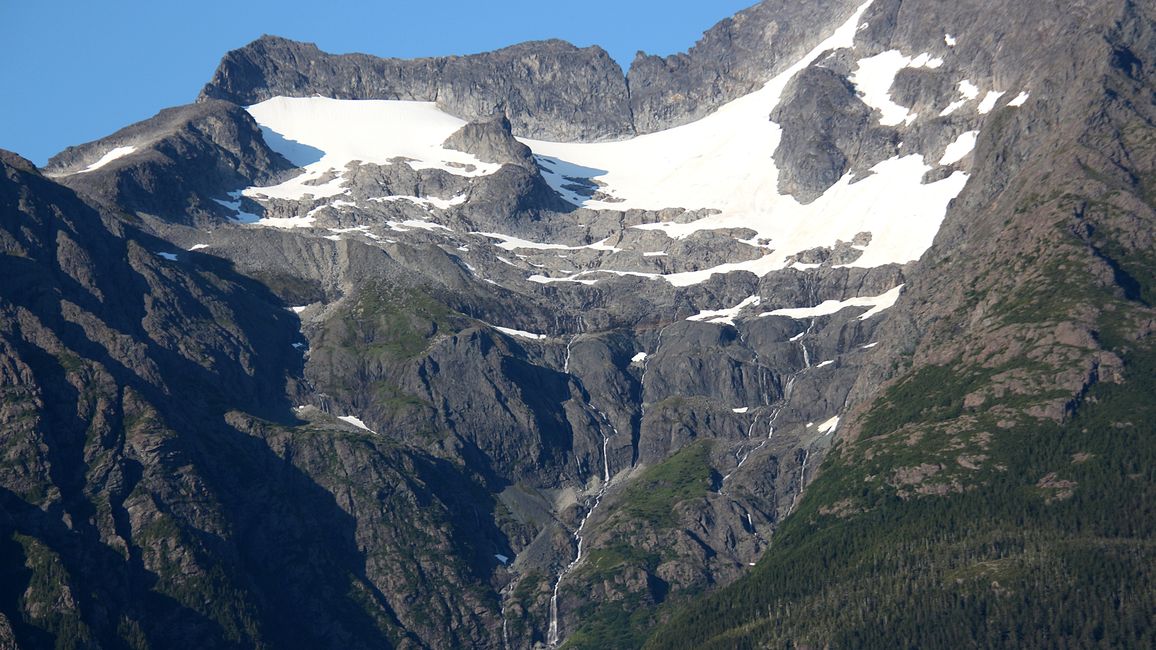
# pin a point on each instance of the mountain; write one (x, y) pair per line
(835, 330)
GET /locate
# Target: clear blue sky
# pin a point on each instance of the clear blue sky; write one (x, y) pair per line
(74, 71)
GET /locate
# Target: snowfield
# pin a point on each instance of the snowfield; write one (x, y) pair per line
(324, 135)
(722, 162)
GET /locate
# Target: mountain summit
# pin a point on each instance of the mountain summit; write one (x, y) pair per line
(836, 330)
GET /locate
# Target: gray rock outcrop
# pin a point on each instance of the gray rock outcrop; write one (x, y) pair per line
(549, 89)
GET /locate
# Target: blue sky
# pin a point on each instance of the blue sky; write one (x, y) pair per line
(74, 71)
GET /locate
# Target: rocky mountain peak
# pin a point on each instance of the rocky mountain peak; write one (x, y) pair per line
(489, 350)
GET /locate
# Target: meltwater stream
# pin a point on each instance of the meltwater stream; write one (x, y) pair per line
(552, 635)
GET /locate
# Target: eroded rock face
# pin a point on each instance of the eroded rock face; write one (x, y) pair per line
(733, 58)
(827, 132)
(510, 368)
(492, 141)
(549, 89)
(180, 161)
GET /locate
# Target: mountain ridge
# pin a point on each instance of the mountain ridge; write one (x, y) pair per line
(419, 383)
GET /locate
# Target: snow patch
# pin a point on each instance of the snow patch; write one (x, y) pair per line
(949, 39)
(113, 154)
(824, 364)
(522, 334)
(197, 247)
(868, 346)
(829, 425)
(287, 222)
(234, 205)
(874, 76)
(742, 410)
(725, 316)
(828, 307)
(989, 101)
(355, 422)
(402, 226)
(1019, 99)
(303, 186)
(639, 358)
(882, 303)
(426, 201)
(968, 91)
(172, 257)
(541, 279)
(962, 146)
(511, 243)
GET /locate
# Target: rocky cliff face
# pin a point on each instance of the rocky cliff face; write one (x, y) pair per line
(1024, 338)
(284, 374)
(173, 164)
(550, 89)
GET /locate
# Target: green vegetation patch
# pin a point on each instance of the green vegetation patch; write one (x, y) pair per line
(685, 475)
(394, 323)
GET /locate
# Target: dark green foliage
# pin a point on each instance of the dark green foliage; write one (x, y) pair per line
(653, 495)
(930, 394)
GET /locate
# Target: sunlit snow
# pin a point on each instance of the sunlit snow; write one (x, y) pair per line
(829, 425)
(234, 204)
(511, 243)
(522, 334)
(403, 226)
(724, 161)
(960, 148)
(725, 316)
(287, 222)
(355, 422)
(324, 135)
(425, 201)
(968, 91)
(721, 163)
(828, 307)
(1019, 99)
(989, 101)
(118, 152)
(874, 76)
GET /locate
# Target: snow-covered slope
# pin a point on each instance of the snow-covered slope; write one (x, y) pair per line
(722, 163)
(324, 135)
